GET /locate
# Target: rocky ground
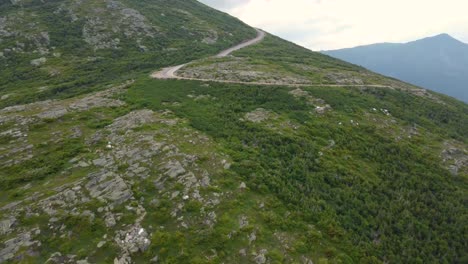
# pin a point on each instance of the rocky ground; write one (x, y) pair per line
(119, 155)
(92, 179)
(239, 69)
(132, 166)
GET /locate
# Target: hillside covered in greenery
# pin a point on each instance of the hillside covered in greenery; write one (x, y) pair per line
(100, 163)
(51, 49)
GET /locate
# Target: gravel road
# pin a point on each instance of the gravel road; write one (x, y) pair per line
(170, 72)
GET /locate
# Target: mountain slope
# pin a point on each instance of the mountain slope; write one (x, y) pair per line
(439, 63)
(350, 167)
(75, 45)
(387, 119)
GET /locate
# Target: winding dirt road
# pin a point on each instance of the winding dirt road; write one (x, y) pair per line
(170, 72)
(260, 36)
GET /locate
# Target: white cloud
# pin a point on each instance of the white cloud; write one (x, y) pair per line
(330, 24)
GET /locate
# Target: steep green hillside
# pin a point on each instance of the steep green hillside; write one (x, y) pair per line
(54, 49)
(372, 183)
(103, 164)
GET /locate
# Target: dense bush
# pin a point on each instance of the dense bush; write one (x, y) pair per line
(376, 198)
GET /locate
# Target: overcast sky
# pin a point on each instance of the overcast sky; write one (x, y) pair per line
(333, 24)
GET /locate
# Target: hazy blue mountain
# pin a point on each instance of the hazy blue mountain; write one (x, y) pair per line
(439, 63)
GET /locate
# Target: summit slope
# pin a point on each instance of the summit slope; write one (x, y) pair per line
(276, 155)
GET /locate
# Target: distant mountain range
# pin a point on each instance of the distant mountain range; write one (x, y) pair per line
(439, 63)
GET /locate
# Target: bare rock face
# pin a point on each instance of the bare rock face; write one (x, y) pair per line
(108, 186)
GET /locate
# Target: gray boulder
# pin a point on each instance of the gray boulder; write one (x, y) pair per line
(38, 62)
(108, 186)
(134, 240)
(6, 225)
(260, 258)
(174, 169)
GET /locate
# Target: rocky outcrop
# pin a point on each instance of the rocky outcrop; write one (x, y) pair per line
(126, 22)
(58, 258)
(455, 158)
(174, 169)
(212, 38)
(108, 186)
(260, 258)
(132, 120)
(18, 149)
(95, 34)
(38, 62)
(91, 102)
(52, 109)
(118, 158)
(321, 107)
(13, 245)
(343, 78)
(239, 70)
(53, 113)
(134, 240)
(6, 225)
(259, 115)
